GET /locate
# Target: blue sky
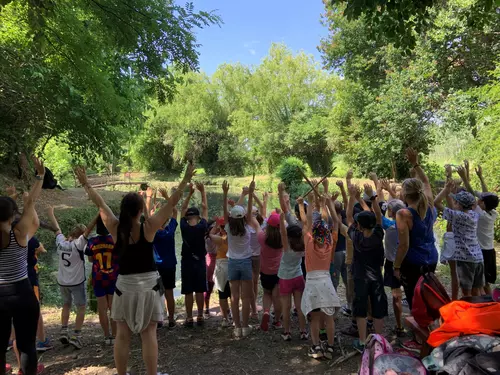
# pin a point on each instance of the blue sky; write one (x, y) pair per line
(250, 27)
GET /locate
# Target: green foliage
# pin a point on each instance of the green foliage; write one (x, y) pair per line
(85, 69)
(289, 172)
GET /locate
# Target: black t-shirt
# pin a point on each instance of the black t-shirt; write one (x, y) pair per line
(193, 238)
(368, 253)
(33, 244)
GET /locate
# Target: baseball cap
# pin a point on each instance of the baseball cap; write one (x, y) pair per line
(192, 211)
(464, 198)
(220, 220)
(237, 212)
(366, 219)
(366, 197)
(274, 220)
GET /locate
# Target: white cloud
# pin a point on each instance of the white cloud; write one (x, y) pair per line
(252, 51)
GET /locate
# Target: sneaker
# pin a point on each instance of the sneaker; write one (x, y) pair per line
(328, 351)
(315, 352)
(206, 314)
(358, 346)
(400, 332)
(277, 325)
(76, 342)
(304, 335)
(369, 327)
(245, 331)
(171, 324)
(229, 315)
(295, 312)
(159, 325)
(404, 302)
(346, 311)
(412, 346)
(63, 337)
(224, 323)
(322, 335)
(351, 331)
(43, 346)
(237, 332)
(286, 336)
(264, 325)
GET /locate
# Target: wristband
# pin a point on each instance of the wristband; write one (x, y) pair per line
(39, 177)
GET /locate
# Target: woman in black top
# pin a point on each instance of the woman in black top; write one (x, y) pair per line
(18, 301)
(137, 303)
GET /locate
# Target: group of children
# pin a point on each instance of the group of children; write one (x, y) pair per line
(299, 256)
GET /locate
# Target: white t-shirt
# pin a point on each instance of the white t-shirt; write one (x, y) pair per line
(71, 260)
(464, 225)
(238, 246)
(486, 228)
(254, 242)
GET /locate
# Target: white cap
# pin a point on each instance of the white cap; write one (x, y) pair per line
(237, 212)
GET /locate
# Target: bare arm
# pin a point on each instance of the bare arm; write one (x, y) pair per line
(384, 183)
(284, 234)
(185, 204)
(265, 198)
(402, 218)
(302, 210)
(333, 213)
(29, 222)
(225, 190)
(412, 156)
(281, 195)
(216, 239)
(444, 194)
(53, 220)
(204, 201)
(479, 172)
(353, 190)
(90, 227)
(377, 211)
(378, 186)
(463, 175)
(348, 178)
(147, 202)
(345, 200)
(251, 190)
(259, 204)
(157, 221)
(241, 199)
(325, 186)
(109, 219)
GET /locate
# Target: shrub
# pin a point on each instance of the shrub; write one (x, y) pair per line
(288, 171)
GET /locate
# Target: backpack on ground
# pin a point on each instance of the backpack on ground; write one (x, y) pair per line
(430, 295)
(379, 359)
(49, 182)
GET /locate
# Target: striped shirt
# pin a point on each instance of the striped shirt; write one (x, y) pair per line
(13, 261)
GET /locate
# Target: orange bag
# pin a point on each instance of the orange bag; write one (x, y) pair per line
(465, 318)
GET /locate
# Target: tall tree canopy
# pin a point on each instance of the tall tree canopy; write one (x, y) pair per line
(84, 68)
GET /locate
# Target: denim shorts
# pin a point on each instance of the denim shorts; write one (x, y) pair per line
(239, 269)
(76, 293)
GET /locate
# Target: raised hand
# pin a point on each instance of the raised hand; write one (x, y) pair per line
(163, 193)
(245, 190)
(467, 168)
(190, 172)
(385, 184)
(412, 156)
(373, 176)
(191, 189)
(325, 184)
(450, 185)
(300, 200)
(479, 171)
(40, 169)
(251, 188)
(225, 187)
(81, 174)
(149, 192)
(368, 190)
(281, 187)
(448, 171)
(265, 196)
(353, 190)
(462, 172)
(334, 196)
(349, 175)
(340, 183)
(200, 187)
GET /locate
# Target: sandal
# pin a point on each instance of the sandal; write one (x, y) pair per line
(189, 323)
(200, 320)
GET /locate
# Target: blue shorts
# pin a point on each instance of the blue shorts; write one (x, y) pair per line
(239, 269)
(104, 288)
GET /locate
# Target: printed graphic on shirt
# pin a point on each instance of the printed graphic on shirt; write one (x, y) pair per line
(464, 225)
(104, 259)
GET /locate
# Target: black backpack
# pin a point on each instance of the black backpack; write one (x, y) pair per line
(49, 182)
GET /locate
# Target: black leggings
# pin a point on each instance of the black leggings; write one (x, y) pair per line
(410, 273)
(20, 307)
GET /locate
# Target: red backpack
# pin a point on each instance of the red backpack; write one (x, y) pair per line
(428, 298)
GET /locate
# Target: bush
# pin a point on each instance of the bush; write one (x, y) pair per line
(288, 171)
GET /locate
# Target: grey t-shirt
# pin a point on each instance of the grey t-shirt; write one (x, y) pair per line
(290, 266)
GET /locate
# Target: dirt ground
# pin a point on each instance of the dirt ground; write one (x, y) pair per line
(199, 350)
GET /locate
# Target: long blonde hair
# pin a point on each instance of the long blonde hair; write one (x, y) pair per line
(413, 192)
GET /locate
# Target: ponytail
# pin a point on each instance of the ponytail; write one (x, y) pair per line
(413, 192)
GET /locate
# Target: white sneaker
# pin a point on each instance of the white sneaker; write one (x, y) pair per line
(224, 323)
(245, 331)
(237, 332)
